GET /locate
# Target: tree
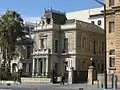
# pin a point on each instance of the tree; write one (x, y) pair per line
(11, 29)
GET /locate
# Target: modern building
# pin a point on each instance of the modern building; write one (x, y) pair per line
(94, 16)
(62, 43)
(113, 36)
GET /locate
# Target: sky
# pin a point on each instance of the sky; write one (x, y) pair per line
(35, 8)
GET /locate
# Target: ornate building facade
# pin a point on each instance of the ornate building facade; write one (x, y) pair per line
(62, 43)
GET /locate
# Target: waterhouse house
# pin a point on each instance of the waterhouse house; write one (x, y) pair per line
(62, 43)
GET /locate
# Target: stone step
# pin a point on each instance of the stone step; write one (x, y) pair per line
(35, 80)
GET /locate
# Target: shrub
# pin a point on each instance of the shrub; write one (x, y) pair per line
(49, 75)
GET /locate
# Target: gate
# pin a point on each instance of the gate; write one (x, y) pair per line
(80, 76)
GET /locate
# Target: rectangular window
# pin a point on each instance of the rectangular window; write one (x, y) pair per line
(56, 46)
(102, 67)
(42, 43)
(94, 47)
(99, 22)
(28, 52)
(30, 67)
(112, 61)
(83, 64)
(111, 26)
(66, 64)
(56, 66)
(111, 2)
(112, 52)
(92, 22)
(84, 43)
(103, 46)
(24, 67)
(65, 44)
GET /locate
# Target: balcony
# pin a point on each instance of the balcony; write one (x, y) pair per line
(111, 70)
(41, 51)
(47, 27)
(64, 52)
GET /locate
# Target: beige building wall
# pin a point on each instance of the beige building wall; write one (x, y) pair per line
(71, 35)
(84, 54)
(116, 3)
(48, 41)
(117, 30)
(113, 38)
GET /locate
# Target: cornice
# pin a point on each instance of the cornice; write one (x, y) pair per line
(113, 10)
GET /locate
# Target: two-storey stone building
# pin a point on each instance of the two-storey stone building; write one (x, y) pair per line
(113, 36)
(61, 44)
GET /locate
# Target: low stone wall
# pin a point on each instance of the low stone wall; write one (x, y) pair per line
(35, 80)
(28, 80)
(7, 82)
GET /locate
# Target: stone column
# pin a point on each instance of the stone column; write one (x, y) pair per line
(70, 75)
(90, 75)
(46, 66)
(42, 66)
(37, 69)
(44, 69)
(33, 67)
(27, 68)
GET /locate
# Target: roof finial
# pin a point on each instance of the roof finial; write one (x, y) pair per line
(45, 9)
(51, 8)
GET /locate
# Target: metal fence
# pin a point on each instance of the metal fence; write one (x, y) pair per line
(80, 76)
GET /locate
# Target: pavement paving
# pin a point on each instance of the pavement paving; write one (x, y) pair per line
(50, 86)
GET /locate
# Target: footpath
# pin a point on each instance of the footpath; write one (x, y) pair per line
(83, 87)
(51, 86)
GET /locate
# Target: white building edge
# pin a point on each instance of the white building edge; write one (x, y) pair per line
(94, 15)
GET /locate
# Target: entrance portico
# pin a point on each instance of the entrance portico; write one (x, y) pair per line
(40, 66)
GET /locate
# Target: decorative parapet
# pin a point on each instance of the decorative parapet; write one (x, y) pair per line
(68, 26)
(41, 51)
(54, 11)
(47, 27)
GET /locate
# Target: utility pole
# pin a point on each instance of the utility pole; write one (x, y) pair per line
(105, 58)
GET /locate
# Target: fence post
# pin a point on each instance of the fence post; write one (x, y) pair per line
(90, 75)
(70, 76)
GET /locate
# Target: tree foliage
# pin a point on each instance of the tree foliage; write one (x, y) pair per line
(11, 29)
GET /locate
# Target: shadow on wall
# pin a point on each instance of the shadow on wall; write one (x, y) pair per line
(80, 76)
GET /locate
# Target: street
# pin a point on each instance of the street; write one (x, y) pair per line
(50, 86)
(43, 87)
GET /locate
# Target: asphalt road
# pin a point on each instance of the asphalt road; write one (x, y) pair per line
(50, 87)
(39, 87)
(26, 87)
(31, 87)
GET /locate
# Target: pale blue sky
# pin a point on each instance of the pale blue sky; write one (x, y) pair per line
(35, 8)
